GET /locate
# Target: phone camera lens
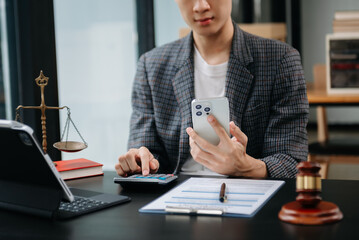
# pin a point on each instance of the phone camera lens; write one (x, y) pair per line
(199, 113)
(198, 106)
(207, 109)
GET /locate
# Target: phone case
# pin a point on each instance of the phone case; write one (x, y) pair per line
(202, 108)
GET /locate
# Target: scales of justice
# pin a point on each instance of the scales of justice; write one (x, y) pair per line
(62, 145)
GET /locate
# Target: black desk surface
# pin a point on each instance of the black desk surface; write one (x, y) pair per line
(125, 222)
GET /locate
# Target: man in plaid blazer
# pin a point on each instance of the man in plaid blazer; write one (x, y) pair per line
(267, 97)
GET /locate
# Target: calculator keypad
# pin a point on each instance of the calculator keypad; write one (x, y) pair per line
(151, 178)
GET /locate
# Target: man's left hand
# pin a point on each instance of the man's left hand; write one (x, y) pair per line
(229, 157)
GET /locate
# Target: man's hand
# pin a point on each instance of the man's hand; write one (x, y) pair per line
(137, 161)
(229, 157)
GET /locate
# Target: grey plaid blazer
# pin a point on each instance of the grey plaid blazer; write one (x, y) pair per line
(267, 96)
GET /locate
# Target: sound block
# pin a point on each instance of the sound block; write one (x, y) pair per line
(323, 213)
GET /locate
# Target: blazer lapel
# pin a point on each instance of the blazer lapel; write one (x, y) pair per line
(239, 78)
(183, 86)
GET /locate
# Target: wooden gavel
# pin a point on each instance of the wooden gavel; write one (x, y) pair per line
(309, 209)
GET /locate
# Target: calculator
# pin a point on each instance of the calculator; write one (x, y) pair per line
(151, 179)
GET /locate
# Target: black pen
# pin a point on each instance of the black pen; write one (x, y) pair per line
(222, 193)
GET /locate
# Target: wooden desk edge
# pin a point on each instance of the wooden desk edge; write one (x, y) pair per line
(322, 97)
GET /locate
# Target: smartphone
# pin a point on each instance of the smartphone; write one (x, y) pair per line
(202, 108)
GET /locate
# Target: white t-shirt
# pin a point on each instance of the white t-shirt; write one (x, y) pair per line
(209, 81)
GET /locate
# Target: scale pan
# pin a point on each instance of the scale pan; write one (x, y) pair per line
(70, 146)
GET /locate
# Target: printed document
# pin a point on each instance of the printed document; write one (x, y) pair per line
(244, 197)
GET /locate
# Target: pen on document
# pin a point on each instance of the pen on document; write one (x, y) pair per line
(222, 193)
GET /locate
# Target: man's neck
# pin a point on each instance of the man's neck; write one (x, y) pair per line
(215, 49)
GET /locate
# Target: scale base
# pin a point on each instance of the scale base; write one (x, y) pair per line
(323, 213)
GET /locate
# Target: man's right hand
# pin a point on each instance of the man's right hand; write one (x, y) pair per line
(137, 161)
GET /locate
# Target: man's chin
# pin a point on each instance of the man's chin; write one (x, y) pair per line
(205, 31)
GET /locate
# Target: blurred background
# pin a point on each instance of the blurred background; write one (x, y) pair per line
(89, 50)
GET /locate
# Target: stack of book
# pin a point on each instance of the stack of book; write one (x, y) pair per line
(346, 22)
(78, 168)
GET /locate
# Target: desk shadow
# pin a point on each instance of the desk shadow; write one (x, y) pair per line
(210, 227)
(292, 231)
(23, 226)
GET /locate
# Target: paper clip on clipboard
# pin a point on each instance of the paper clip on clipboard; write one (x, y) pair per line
(192, 211)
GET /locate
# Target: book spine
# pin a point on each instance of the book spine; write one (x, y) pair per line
(346, 15)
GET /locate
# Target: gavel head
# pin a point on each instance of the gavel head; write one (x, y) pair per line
(309, 184)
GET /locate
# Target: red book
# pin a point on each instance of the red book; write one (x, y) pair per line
(78, 168)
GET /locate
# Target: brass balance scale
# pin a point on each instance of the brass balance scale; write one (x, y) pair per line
(64, 145)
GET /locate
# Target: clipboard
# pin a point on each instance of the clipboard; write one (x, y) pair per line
(201, 196)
